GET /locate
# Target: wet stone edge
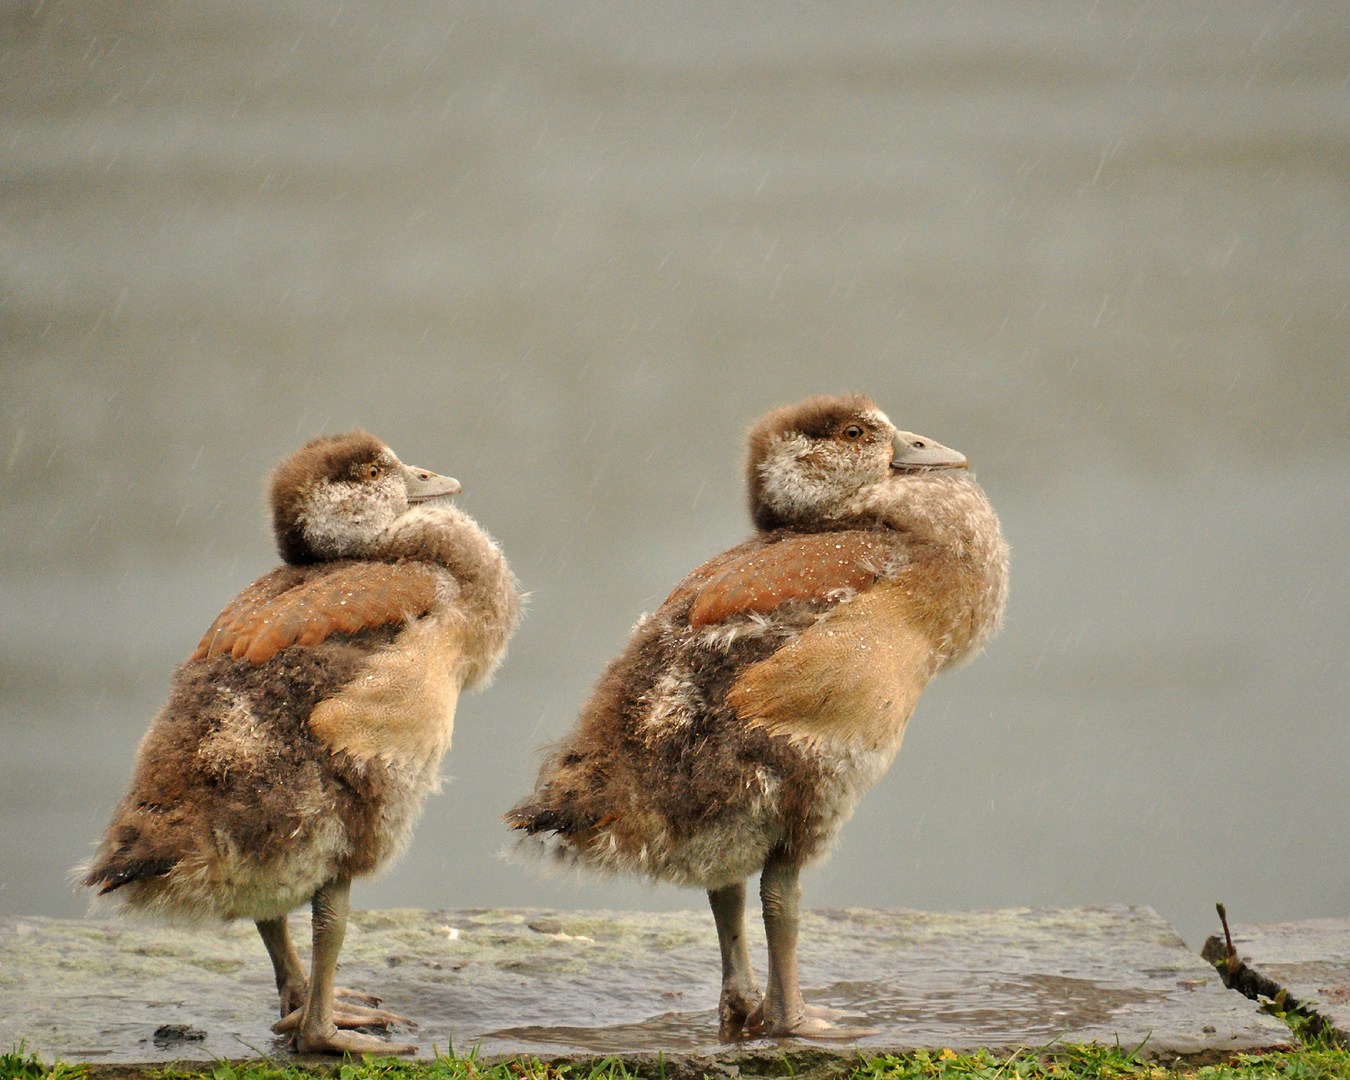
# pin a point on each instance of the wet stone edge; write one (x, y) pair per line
(1255, 984)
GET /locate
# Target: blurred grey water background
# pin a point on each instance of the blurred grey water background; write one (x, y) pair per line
(567, 252)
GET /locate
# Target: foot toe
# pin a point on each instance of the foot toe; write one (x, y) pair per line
(352, 1016)
(336, 1041)
(359, 996)
(754, 1022)
(816, 1027)
(289, 1022)
(347, 1016)
(734, 1009)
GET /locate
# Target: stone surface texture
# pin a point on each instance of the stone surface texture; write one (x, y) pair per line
(1309, 960)
(581, 984)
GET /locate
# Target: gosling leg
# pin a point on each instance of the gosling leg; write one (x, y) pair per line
(740, 989)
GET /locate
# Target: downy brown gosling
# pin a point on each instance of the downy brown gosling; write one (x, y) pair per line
(737, 730)
(301, 737)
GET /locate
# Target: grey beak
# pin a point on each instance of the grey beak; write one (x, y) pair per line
(424, 484)
(915, 453)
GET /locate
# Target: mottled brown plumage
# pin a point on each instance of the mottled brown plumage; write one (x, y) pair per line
(301, 737)
(738, 728)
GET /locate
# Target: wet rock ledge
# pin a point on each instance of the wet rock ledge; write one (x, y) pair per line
(578, 985)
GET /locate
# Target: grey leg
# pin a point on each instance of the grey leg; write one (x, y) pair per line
(780, 892)
(291, 982)
(784, 1012)
(317, 1026)
(740, 990)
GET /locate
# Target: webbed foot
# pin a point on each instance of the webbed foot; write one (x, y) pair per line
(336, 1041)
(815, 1022)
(346, 1016)
(294, 996)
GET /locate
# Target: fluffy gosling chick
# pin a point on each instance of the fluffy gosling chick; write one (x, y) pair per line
(301, 737)
(738, 729)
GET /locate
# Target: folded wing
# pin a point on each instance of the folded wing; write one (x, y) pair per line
(753, 579)
(852, 676)
(342, 599)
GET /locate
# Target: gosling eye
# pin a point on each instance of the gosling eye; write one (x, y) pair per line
(853, 431)
(373, 472)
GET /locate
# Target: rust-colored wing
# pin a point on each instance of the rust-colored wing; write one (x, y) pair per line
(266, 589)
(343, 599)
(756, 579)
(700, 576)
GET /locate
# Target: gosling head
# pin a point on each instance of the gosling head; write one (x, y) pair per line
(334, 496)
(817, 461)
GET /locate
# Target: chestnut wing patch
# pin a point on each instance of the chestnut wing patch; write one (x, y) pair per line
(353, 596)
(697, 578)
(819, 566)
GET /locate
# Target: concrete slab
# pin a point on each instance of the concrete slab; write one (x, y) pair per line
(1308, 960)
(583, 984)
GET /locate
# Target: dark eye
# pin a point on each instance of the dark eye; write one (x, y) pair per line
(853, 431)
(374, 472)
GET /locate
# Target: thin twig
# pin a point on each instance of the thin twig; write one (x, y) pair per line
(1232, 962)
